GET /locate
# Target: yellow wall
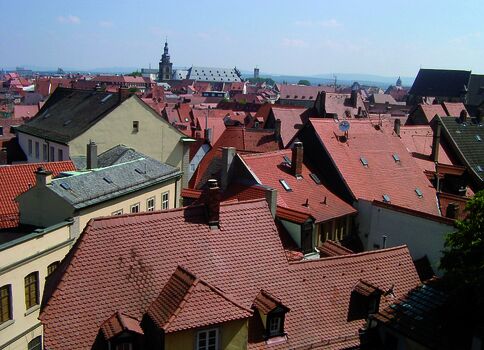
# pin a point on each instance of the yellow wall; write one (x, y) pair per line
(42, 251)
(156, 137)
(232, 336)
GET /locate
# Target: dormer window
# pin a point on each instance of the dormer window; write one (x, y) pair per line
(364, 301)
(270, 312)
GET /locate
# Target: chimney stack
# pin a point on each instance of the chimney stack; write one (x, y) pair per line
(123, 94)
(436, 143)
(228, 154)
(43, 177)
(271, 198)
(277, 130)
(91, 162)
(297, 159)
(213, 203)
(208, 135)
(354, 98)
(396, 127)
(463, 116)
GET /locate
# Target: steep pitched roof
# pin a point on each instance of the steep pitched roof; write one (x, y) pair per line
(141, 251)
(119, 323)
(292, 120)
(187, 301)
(453, 108)
(301, 92)
(270, 168)
(15, 180)
(367, 165)
(475, 95)
(440, 82)
(430, 111)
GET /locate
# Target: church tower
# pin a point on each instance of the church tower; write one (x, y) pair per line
(399, 82)
(166, 68)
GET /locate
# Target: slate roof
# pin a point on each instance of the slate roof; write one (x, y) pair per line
(475, 95)
(467, 140)
(68, 113)
(18, 178)
(98, 185)
(383, 174)
(115, 155)
(141, 252)
(440, 83)
(270, 168)
(213, 74)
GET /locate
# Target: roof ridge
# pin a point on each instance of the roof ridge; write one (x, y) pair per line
(184, 300)
(266, 154)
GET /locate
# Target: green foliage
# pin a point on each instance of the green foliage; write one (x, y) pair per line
(463, 258)
(304, 82)
(268, 81)
(133, 89)
(135, 74)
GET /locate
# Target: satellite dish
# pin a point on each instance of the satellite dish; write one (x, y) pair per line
(344, 126)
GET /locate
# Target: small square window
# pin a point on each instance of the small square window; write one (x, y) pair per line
(30, 147)
(135, 126)
(117, 212)
(51, 268)
(364, 161)
(150, 204)
(165, 202)
(275, 326)
(134, 208)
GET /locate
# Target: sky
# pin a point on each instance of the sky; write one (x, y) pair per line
(304, 37)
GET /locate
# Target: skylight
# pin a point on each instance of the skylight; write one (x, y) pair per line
(315, 178)
(285, 185)
(478, 138)
(396, 158)
(287, 160)
(139, 171)
(386, 198)
(419, 192)
(108, 179)
(65, 186)
(106, 98)
(363, 161)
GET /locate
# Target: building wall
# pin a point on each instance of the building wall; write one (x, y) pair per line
(232, 336)
(23, 140)
(155, 137)
(17, 262)
(202, 151)
(423, 236)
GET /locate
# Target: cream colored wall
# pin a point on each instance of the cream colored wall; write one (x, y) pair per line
(125, 202)
(33, 248)
(232, 336)
(156, 138)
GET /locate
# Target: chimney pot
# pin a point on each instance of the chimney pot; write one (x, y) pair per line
(277, 129)
(43, 177)
(297, 159)
(396, 127)
(213, 203)
(91, 161)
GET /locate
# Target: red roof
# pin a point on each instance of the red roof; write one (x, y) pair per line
(119, 323)
(292, 120)
(332, 248)
(322, 204)
(454, 108)
(141, 252)
(398, 179)
(429, 111)
(25, 111)
(15, 180)
(339, 104)
(301, 92)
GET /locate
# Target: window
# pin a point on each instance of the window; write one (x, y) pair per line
(165, 203)
(45, 154)
(35, 344)
(275, 326)
(5, 303)
(386, 198)
(31, 290)
(207, 340)
(285, 185)
(364, 161)
(51, 268)
(37, 150)
(117, 212)
(1, 130)
(52, 153)
(150, 204)
(134, 208)
(135, 126)
(60, 156)
(419, 192)
(30, 147)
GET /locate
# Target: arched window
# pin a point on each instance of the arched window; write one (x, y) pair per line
(35, 344)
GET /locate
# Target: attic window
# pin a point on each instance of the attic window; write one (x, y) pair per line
(386, 198)
(364, 161)
(287, 160)
(478, 138)
(315, 178)
(135, 126)
(106, 98)
(310, 97)
(108, 179)
(65, 186)
(396, 158)
(419, 192)
(285, 185)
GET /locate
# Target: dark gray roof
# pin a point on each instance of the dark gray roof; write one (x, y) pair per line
(87, 188)
(116, 155)
(440, 82)
(475, 96)
(467, 139)
(68, 113)
(214, 74)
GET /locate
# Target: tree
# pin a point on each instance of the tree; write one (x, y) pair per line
(304, 82)
(268, 81)
(463, 258)
(135, 74)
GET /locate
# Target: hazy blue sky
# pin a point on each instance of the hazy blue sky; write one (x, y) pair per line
(292, 37)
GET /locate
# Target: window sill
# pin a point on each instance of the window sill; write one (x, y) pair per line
(32, 310)
(6, 324)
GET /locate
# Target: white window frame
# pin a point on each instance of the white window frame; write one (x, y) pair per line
(117, 212)
(134, 206)
(153, 207)
(206, 346)
(273, 331)
(165, 204)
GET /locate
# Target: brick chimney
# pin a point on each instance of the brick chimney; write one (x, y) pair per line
(463, 116)
(228, 154)
(91, 161)
(123, 94)
(436, 143)
(213, 203)
(354, 98)
(42, 177)
(277, 130)
(297, 159)
(396, 127)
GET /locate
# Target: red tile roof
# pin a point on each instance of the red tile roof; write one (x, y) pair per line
(141, 251)
(323, 205)
(292, 120)
(429, 111)
(21, 111)
(331, 248)
(15, 180)
(454, 108)
(119, 323)
(265, 302)
(339, 104)
(187, 301)
(301, 92)
(398, 179)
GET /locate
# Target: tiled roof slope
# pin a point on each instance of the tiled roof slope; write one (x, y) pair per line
(301, 92)
(15, 180)
(292, 119)
(383, 175)
(140, 253)
(467, 139)
(453, 108)
(430, 111)
(270, 168)
(119, 323)
(68, 113)
(115, 155)
(101, 184)
(187, 302)
(440, 82)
